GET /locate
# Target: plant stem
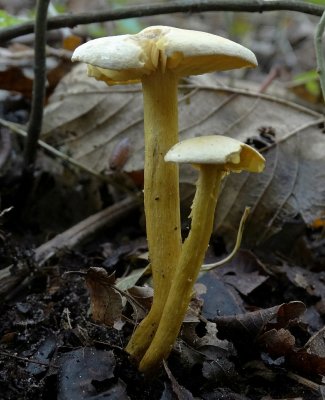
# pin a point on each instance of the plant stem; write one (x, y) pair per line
(320, 53)
(36, 115)
(161, 198)
(188, 268)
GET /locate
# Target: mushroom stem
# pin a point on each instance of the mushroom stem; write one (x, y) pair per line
(188, 268)
(161, 198)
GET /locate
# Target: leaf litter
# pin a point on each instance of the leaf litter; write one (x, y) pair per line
(247, 330)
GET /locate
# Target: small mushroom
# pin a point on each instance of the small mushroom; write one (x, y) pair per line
(215, 156)
(158, 57)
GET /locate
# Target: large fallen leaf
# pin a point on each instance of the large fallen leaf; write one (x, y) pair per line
(88, 120)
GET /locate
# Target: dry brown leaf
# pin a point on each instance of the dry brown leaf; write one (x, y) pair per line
(180, 391)
(106, 302)
(245, 328)
(277, 343)
(87, 119)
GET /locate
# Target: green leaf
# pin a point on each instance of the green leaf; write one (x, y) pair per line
(310, 80)
(7, 20)
(320, 2)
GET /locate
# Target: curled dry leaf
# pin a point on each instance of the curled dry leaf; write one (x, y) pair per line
(311, 358)
(106, 302)
(88, 120)
(142, 299)
(245, 328)
(277, 343)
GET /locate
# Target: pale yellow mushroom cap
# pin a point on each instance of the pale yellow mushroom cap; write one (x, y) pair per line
(230, 154)
(127, 58)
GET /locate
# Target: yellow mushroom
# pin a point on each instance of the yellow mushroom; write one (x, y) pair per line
(158, 57)
(215, 156)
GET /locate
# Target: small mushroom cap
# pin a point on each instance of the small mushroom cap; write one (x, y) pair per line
(230, 154)
(127, 58)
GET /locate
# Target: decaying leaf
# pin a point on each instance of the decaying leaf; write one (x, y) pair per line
(218, 298)
(244, 272)
(106, 302)
(141, 301)
(311, 358)
(87, 119)
(245, 328)
(277, 343)
(88, 373)
(217, 366)
(312, 282)
(180, 391)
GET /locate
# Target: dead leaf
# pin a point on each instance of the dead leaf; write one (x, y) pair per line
(17, 72)
(277, 343)
(217, 366)
(218, 298)
(316, 344)
(141, 301)
(180, 391)
(245, 272)
(202, 334)
(106, 302)
(42, 356)
(306, 363)
(245, 328)
(311, 358)
(312, 282)
(88, 373)
(88, 120)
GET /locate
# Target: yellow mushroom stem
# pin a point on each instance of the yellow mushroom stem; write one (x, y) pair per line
(161, 198)
(188, 268)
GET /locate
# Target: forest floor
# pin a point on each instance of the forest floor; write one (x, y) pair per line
(255, 329)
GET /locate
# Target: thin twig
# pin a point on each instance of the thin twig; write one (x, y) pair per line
(160, 9)
(83, 230)
(53, 151)
(320, 53)
(36, 115)
(25, 359)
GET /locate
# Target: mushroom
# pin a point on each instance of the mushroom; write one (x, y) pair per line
(158, 57)
(215, 156)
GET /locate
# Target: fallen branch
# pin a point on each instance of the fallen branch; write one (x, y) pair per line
(160, 9)
(84, 230)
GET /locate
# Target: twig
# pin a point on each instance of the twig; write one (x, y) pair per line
(36, 115)
(159, 9)
(320, 53)
(45, 364)
(84, 229)
(51, 150)
(304, 381)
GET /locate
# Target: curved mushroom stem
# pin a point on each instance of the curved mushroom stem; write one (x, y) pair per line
(161, 198)
(188, 268)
